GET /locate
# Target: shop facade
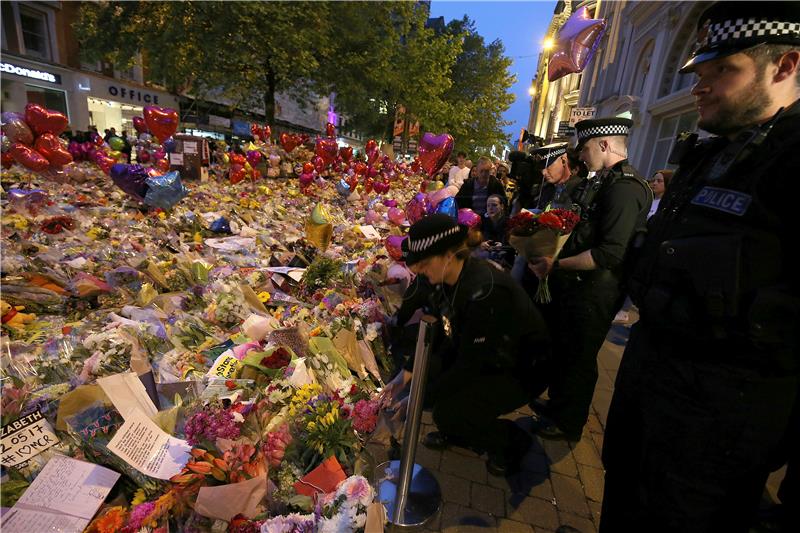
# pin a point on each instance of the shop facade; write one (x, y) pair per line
(88, 99)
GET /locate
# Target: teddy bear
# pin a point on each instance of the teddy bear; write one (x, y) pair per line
(12, 317)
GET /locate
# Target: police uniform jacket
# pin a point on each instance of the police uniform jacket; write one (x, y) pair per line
(489, 323)
(714, 273)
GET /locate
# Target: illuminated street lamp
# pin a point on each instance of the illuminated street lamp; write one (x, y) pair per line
(548, 44)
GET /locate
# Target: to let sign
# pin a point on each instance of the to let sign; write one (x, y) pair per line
(581, 113)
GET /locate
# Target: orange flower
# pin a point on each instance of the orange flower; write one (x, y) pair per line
(110, 522)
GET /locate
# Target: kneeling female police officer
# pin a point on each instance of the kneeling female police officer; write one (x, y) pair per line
(490, 335)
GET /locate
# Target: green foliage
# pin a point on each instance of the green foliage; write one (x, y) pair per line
(375, 56)
(321, 273)
(480, 92)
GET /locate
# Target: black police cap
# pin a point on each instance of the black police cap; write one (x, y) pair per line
(602, 127)
(548, 154)
(730, 27)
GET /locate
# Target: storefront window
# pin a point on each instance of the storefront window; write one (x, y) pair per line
(47, 98)
(667, 132)
(34, 32)
(106, 114)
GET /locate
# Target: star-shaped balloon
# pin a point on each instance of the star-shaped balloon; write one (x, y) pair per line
(165, 191)
(576, 43)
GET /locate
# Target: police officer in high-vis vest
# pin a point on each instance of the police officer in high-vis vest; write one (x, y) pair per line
(709, 377)
(585, 278)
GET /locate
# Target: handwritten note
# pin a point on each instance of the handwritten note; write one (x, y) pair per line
(25, 438)
(370, 232)
(151, 451)
(64, 497)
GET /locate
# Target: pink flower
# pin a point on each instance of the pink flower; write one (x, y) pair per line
(365, 416)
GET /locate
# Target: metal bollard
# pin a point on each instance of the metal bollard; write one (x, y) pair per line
(410, 492)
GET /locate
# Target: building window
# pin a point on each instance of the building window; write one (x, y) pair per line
(642, 70)
(35, 35)
(47, 98)
(668, 130)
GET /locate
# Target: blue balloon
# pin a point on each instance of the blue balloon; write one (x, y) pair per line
(221, 225)
(343, 188)
(169, 145)
(165, 191)
(448, 207)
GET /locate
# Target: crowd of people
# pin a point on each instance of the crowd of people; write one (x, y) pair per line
(705, 403)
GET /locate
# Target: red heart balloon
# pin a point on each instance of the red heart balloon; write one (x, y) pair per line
(161, 121)
(237, 174)
(434, 151)
(104, 161)
(360, 168)
(43, 120)
(255, 130)
(51, 148)
(140, 125)
(237, 159)
(306, 178)
(319, 163)
(368, 183)
(308, 168)
(394, 245)
(346, 153)
(327, 149)
(330, 130)
(415, 165)
(288, 141)
(29, 158)
(266, 132)
(371, 149)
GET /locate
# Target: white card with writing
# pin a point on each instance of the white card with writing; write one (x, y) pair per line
(26, 437)
(147, 448)
(175, 159)
(370, 232)
(64, 497)
(189, 147)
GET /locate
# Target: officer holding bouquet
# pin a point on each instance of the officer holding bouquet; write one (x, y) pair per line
(709, 377)
(585, 279)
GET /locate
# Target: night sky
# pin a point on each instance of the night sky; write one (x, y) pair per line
(521, 27)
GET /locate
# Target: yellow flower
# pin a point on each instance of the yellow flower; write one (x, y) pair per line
(138, 497)
(263, 297)
(93, 233)
(311, 426)
(162, 215)
(198, 238)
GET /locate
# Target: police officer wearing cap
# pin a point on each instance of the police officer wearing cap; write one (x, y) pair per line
(490, 336)
(709, 377)
(585, 279)
(559, 175)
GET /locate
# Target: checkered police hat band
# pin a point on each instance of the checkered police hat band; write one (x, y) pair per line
(734, 30)
(603, 131)
(551, 154)
(420, 245)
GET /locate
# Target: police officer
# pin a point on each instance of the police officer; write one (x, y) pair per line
(491, 334)
(709, 376)
(585, 279)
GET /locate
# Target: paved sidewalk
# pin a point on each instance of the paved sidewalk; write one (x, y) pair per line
(560, 484)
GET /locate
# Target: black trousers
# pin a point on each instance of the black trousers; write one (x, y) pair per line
(579, 318)
(689, 442)
(467, 403)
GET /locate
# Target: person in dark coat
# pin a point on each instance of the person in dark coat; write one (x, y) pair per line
(702, 406)
(475, 191)
(490, 336)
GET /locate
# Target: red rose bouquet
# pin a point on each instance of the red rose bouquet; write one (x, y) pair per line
(541, 235)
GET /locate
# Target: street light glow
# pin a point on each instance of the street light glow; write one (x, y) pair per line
(548, 43)
(532, 90)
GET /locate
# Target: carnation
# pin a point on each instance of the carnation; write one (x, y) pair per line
(365, 416)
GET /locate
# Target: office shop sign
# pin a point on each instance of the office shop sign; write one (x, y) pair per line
(132, 95)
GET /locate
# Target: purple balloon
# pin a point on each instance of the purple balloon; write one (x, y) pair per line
(468, 217)
(169, 145)
(131, 179)
(418, 207)
(576, 43)
(390, 203)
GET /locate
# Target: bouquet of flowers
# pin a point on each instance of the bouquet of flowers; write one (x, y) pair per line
(541, 235)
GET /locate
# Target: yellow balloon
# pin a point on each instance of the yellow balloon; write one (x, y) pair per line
(116, 154)
(226, 158)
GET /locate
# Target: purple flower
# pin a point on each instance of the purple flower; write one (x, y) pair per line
(209, 424)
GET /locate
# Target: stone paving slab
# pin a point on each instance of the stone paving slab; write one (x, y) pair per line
(561, 484)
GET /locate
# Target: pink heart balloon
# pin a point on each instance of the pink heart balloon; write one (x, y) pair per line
(468, 217)
(161, 121)
(418, 207)
(434, 151)
(396, 215)
(327, 149)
